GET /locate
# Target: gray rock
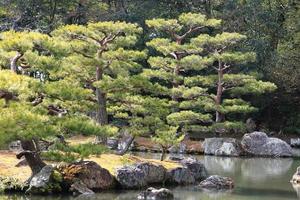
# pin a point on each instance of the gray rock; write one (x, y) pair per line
(295, 142)
(79, 188)
(44, 182)
(15, 146)
(258, 143)
(112, 143)
(216, 182)
(181, 148)
(180, 176)
(154, 173)
(196, 167)
(156, 194)
(131, 177)
(222, 147)
(140, 175)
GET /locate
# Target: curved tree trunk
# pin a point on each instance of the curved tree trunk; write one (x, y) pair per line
(31, 154)
(13, 62)
(123, 151)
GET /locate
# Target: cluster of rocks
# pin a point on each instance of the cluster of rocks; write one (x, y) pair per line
(87, 177)
(255, 143)
(144, 174)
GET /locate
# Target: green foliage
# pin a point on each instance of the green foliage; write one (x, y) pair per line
(167, 137)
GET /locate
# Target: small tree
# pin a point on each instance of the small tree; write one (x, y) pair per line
(166, 138)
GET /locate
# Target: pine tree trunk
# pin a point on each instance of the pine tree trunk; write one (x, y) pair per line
(13, 62)
(219, 115)
(101, 114)
(31, 154)
(163, 152)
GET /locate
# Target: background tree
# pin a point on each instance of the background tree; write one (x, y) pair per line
(178, 58)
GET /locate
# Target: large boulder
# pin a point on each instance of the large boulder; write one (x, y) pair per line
(222, 147)
(154, 173)
(216, 182)
(130, 177)
(140, 175)
(89, 173)
(180, 176)
(196, 167)
(259, 144)
(156, 194)
(48, 180)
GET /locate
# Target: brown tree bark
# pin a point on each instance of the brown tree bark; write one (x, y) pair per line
(13, 62)
(101, 113)
(218, 101)
(31, 154)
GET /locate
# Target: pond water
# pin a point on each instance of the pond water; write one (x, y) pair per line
(255, 179)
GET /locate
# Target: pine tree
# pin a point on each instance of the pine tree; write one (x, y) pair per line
(100, 56)
(225, 81)
(39, 107)
(186, 67)
(179, 58)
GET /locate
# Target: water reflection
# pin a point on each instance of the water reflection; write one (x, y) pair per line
(260, 169)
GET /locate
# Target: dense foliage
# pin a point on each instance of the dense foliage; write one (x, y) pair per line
(146, 67)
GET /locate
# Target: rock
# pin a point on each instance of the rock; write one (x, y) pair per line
(79, 188)
(112, 143)
(89, 173)
(46, 181)
(217, 182)
(176, 157)
(295, 142)
(250, 125)
(222, 147)
(131, 177)
(140, 175)
(180, 176)
(156, 194)
(196, 167)
(181, 148)
(153, 173)
(15, 146)
(259, 144)
(296, 177)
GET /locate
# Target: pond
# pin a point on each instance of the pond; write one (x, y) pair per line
(255, 178)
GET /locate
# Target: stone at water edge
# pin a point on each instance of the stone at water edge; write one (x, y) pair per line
(259, 144)
(154, 173)
(180, 176)
(129, 177)
(79, 188)
(196, 167)
(296, 177)
(216, 182)
(140, 175)
(89, 173)
(46, 181)
(295, 142)
(112, 143)
(222, 147)
(156, 194)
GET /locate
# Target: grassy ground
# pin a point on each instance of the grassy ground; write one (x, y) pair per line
(110, 162)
